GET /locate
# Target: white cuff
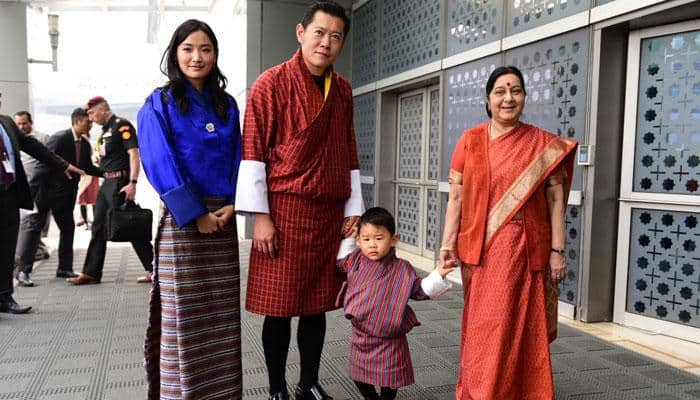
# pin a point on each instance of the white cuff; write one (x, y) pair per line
(347, 246)
(251, 188)
(354, 205)
(434, 285)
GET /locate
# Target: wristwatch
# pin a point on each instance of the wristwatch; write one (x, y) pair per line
(134, 181)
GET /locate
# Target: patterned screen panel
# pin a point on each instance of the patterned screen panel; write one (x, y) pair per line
(664, 266)
(472, 23)
(365, 107)
(407, 214)
(568, 289)
(410, 136)
(667, 145)
(410, 34)
(432, 220)
(364, 47)
(434, 139)
(556, 80)
(601, 2)
(463, 103)
(527, 14)
(368, 195)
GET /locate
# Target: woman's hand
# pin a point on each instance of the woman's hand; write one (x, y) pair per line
(225, 215)
(447, 267)
(265, 239)
(350, 226)
(207, 223)
(557, 266)
(448, 260)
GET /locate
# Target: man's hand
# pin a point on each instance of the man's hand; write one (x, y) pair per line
(265, 239)
(129, 192)
(224, 215)
(72, 169)
(207, 223)
(350, 226)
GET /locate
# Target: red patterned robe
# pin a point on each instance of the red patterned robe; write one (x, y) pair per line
(376, 303)
(298, 153)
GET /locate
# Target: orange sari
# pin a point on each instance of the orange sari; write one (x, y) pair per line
(504, 243)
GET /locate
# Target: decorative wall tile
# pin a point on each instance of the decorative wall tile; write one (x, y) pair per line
(434, 139)
(527, 14)
(568, 288)
(432, 220)
(365, 34)
(463, 103)
(556, 79)
(664, 266)
(410, 35)
(408, 214)
(365, 107)
(410, 136)
(472, 23)
(368, 195)
(667, 145)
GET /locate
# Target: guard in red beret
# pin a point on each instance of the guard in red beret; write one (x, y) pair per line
(119, 159)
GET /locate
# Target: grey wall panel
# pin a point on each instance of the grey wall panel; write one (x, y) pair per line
(365, 107)
(408, 214)
(527, 14)
(664, 271)
(463, 103)
(667, 145)
(472, 23)
(432, 220)
(410, 137)
(411, 34)
(364, 50)
(568, 289)
(368, 195)
(556, 80)
(434, 136)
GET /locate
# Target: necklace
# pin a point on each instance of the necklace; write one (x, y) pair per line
(517, 124)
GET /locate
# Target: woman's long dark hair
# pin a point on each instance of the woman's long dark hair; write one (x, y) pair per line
(215, 82)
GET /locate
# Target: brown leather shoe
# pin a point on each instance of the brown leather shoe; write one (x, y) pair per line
(83, 279)
(148, 278)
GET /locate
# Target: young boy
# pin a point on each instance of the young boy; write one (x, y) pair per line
(379, 286)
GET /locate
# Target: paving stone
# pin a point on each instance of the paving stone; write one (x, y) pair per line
(670, 376)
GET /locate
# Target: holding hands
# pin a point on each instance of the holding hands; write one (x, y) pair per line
(213, 222)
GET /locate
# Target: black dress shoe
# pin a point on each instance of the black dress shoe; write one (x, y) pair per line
(62, 273)
(316, 392)
(279, 396)
(9, 305)
(23, 279)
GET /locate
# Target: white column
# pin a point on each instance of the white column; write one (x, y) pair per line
(14, 74)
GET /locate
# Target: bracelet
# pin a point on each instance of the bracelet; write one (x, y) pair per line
(558, 251)
(447, 248)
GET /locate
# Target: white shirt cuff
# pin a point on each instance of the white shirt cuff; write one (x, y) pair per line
(347, 246)
(354, 205)
(251, 188)
(434, 285)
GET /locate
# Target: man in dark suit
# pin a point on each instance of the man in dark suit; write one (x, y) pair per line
(14, 194)
(57, 195)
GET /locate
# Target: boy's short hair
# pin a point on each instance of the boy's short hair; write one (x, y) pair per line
(378, 216)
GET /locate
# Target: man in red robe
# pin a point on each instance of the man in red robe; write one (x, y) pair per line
(300, 178)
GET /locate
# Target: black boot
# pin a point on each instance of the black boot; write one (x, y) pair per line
(279, 396)
(316, 392)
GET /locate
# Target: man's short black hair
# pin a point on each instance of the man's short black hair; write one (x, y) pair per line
(378, 216)
(24, 114)
(328, 7)
(78, 113)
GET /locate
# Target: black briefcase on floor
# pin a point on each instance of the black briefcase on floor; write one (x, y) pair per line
(129, 222)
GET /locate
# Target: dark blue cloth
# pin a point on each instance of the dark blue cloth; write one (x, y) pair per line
(182, 159)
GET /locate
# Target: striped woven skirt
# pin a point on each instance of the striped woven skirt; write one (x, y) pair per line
(193, 339)
(379, 361)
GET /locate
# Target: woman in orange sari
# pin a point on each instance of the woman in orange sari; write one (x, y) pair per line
(509, 183)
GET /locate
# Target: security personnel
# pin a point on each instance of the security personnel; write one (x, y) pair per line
(120, 162)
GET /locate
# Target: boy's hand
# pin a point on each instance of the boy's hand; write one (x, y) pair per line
(446, 268)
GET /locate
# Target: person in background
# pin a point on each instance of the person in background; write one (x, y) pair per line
(88, 188)
(509, 183)
(191, 148)
(120, 163)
